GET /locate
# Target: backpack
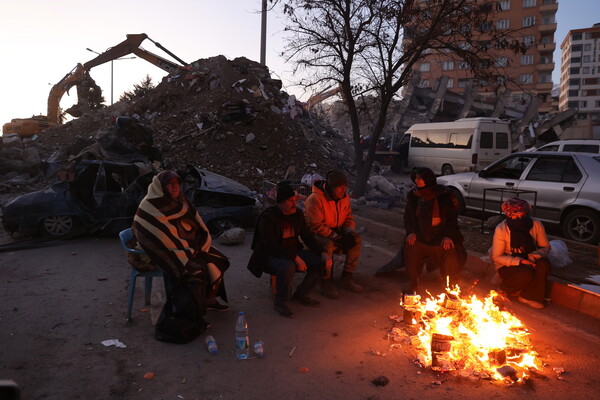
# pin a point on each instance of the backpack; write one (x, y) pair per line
(180, 320)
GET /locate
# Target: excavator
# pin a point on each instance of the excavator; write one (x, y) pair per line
(319, 97)
(86, 87)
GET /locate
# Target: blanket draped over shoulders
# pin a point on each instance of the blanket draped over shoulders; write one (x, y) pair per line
(173, 235)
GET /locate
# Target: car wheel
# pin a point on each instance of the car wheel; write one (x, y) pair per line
(460, 199)
(583, 226)
(59, 225)
(220, 225)
(447, 169)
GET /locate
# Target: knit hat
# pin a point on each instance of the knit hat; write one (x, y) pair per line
(515, 206)
(284, 192)
(336, 178)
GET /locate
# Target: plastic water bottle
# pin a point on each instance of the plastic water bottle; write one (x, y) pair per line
(259, 349)
(242, 341)
(211, 345)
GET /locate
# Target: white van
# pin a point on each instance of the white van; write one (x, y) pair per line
(573, 145)
(465, 145)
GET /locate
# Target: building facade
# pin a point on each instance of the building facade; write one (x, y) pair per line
(580, 75)
(535, 22)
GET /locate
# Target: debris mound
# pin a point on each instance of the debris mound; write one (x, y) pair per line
(227, 116)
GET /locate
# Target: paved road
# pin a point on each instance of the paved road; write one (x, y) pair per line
(58, 303)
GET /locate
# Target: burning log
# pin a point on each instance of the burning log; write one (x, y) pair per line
(468, 334)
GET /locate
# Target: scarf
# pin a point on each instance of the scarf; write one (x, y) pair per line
(521, 242)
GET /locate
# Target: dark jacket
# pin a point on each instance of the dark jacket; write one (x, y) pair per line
(267, 241)
(420, 224)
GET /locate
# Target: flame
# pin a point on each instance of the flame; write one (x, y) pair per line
(469, 334)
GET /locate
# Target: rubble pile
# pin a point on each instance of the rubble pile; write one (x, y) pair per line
(228, 116)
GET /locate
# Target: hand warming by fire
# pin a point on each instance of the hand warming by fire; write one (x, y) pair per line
(468, 334)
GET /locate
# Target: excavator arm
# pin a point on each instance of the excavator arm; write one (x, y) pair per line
(132, 45)
(75, 77)
(319, 97)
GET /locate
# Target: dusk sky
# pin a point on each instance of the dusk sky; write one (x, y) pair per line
(41, 41)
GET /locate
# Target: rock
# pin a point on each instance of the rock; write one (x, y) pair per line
(232, 236)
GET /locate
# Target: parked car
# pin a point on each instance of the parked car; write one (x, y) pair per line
(103, 196)
(563, 187)
(573, 145)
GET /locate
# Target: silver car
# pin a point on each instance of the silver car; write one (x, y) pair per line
(564, 189)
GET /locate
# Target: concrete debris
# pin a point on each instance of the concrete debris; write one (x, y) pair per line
(233, 120)
(232, 236)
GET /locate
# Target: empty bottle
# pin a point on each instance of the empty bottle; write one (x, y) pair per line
(259, 349)
(211, 345)
(242, 341)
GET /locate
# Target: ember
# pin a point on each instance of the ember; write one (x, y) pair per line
(468, 334)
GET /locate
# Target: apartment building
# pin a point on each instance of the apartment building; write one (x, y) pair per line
(580, 75)
(536, 23)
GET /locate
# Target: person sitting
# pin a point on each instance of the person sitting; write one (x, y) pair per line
(278, 251)
(329, 216)
(520, 250)
(432, 233)
(173, 235)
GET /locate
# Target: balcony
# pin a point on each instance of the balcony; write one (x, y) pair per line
(547, 67)
(545, 8)
(546, 47)
(548, 28)
(544, 87)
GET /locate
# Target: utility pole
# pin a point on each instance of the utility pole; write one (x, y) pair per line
(263, 33)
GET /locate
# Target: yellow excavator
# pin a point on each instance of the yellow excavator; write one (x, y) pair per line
(80, 77)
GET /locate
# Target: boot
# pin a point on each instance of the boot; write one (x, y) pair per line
(348, 283)
(328, 290)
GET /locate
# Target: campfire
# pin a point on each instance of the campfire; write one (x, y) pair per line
(452, 333)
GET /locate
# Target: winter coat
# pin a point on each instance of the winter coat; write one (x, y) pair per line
(422, 227)
(501, 252)
(326, 216)
(268, 237)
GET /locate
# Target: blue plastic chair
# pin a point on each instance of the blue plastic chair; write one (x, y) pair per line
(125, 236)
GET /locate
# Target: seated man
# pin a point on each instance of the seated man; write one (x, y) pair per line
(432, 233)
(329, 217)
(278, 251)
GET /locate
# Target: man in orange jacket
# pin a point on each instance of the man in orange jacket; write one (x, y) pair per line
(329, 216)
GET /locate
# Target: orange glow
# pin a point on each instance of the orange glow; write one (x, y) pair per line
(469, 334)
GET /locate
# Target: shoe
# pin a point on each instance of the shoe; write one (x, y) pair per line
(283, 310)
(531, 303)
(216, 306)
(350, 285)
(305, 301)
(328, 290)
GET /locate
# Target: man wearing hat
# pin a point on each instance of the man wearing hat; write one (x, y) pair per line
(278, 251)
(329, 216)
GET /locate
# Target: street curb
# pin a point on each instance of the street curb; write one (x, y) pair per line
(562, 293)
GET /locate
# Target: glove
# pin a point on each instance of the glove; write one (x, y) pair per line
(347, 241)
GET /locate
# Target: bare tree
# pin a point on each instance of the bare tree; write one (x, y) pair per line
(371, 47)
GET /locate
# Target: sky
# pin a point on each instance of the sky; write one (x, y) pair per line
(42, 40)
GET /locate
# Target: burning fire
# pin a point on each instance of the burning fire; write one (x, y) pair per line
(469, 334)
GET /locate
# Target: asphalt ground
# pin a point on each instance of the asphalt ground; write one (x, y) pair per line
(59, 303)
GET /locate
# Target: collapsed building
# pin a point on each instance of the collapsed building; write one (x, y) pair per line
(441, 104)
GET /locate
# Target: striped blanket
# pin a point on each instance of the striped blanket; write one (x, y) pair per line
(173, 235)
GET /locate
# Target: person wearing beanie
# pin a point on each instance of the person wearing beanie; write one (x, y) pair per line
(432, 233)
(278, 251)
(329, 216)
(520, 250)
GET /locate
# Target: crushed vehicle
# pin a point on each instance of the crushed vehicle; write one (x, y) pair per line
(562, 187)
(103, 196)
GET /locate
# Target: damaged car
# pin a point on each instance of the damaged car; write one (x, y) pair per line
(102, 196)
